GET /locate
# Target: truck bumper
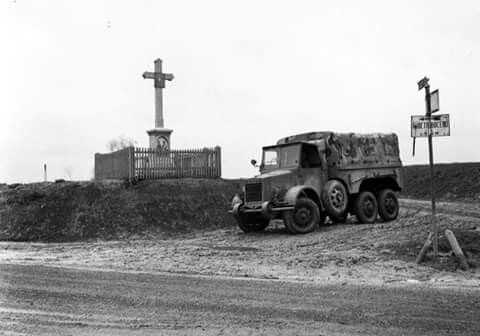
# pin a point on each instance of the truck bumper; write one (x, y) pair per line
(266, 209)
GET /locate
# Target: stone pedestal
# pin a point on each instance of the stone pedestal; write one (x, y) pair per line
(160, 138)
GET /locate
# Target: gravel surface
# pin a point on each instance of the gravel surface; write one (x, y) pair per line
(352, 253)
(339, 280)
(39, 300)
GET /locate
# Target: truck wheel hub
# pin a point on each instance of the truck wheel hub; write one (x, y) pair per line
(303, 216)
(390, 205)
(368, 207)
(337, 198)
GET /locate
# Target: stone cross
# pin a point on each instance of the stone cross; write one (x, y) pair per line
(159, 83)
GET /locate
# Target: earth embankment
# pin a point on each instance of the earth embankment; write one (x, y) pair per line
(453, 181)
(70, 211)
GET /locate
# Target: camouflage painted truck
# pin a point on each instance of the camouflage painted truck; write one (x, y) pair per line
(306, 177)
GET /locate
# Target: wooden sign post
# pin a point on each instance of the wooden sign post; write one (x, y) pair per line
(429, 127)
(433, 221)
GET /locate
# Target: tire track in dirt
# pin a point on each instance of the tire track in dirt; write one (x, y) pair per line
(447, 208)
(44, 300)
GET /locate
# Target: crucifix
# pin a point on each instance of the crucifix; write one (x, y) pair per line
(159, 136)
(159, 83)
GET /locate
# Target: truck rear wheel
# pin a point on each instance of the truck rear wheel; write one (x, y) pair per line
(303, 218)
(250, 222)
(387, 205)
(366, 208)
(335, 200)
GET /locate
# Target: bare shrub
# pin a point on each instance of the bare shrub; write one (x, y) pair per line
(120, 142)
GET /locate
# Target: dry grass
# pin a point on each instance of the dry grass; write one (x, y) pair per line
(110, 210)
(453, 181)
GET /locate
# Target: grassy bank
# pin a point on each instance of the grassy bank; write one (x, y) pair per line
(108, 210)
(71, 211)
(453, 181)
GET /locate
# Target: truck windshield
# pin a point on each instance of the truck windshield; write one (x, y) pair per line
(281, 157)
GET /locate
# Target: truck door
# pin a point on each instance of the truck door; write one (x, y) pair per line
(312, 168)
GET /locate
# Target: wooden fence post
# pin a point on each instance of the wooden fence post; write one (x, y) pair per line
(218, 151)
(131, 163)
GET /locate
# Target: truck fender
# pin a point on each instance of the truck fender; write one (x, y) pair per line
(295, 192)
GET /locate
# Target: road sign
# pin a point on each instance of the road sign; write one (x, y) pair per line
(429, 126)
(423, 126)
(422, 83)
(434, 102)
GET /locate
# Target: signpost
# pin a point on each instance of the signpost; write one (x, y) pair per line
(437, 125)
(429, 126)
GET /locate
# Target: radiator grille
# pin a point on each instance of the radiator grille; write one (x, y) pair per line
(253, 192)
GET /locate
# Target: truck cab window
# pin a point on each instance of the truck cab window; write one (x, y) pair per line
(270, 158)
(310, 157)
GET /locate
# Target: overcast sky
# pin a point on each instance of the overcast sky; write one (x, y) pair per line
(246, 74)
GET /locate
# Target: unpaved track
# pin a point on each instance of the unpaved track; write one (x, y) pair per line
(47, 300)
(462, 209)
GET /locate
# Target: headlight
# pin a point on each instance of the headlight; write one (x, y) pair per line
(278, 193)
(236, 200)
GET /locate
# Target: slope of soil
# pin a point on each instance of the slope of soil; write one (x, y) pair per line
(469, 240)
(381, 253)
(82, 210)
(453, 181)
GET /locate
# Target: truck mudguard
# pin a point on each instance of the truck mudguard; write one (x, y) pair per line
(294, 192)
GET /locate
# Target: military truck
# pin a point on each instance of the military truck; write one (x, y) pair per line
(308, 177)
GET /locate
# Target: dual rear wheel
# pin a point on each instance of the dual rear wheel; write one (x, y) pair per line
(367, 206)
(388, 205)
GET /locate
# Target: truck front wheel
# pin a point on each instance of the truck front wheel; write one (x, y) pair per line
(387, 205)
(366, 207)
(250, 222)
(303, 218)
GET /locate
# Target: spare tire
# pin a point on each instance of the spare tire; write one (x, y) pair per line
(335, 200)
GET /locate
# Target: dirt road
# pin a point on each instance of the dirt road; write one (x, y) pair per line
(339, 280)
(461, 209)
(370, 254)
(44, 300)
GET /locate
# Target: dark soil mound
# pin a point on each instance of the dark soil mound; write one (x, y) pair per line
(108, 210)
(453, 181)
(469, 241)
